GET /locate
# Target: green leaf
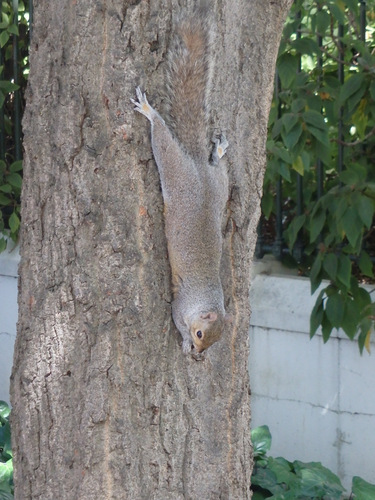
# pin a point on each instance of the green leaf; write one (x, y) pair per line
(13, 28)
(298, 104)
(5, 441)
(315, 277)
(317, 221)
(351, 318)
(5, 18)
(355, 99)
(365, 264)
(315, 119)
(323, 20)
(316, 316)
(6, 495)
(267, 203)
(14, 222)
(372, 90)
(6, 471)
(350, 177)
(4, 201)
(3, 244)
(320, 135)
(291, 138)
(8, 87)
(326, 328)
(261, 439)
(351, 86)
(365, 207)
(4, 409)
(6, 188)
(361, 296)
(360, 118)
(264, 478)
(16, 166)
(276, 129)
(362, 490)
(15, 180)
(284, 171)
(289, 121)
(283, 472)
(330, 265)
(298, 166)
(338, 12)
(4, 37)
(318, 482)
(352, 226)
(282, 153)
(287, 69)
(294, 228)
(305, 46)
(344, 271)
(366, 328)
(335, 309)
(324, 153)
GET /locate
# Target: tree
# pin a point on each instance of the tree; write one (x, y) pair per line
(105, 405)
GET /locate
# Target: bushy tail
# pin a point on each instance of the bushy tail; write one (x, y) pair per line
(188, 81)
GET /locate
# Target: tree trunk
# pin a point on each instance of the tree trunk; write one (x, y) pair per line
(105, 405)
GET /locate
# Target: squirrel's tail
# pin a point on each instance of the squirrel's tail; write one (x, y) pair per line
(188, 81)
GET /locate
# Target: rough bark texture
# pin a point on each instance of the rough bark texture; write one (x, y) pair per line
(105, 404)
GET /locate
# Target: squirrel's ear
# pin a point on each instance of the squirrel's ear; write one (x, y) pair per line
(210, 316)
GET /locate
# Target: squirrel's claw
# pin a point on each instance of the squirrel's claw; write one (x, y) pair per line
(189, 348)
(142, 105)
(220, 149)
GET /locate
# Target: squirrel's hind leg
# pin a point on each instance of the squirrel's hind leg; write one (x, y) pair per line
(220, 149)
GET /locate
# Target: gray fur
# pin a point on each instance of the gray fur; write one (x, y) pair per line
(194, 191)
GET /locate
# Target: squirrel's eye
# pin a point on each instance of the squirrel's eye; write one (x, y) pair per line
(199, 334)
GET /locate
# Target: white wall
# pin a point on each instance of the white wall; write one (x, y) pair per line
(317, 399)
(8, 317)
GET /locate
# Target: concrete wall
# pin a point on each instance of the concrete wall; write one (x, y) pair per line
(318, 400)
(8, 317)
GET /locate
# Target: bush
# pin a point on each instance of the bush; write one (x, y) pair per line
(14, 44)
(322, 139)
(6, 464)
(279, 479)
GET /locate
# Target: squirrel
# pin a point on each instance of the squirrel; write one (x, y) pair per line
(195, 190)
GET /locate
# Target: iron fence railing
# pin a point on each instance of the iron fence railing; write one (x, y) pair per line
(276, 243)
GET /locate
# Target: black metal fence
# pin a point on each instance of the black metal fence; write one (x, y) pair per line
(15, 30)
(271, 232)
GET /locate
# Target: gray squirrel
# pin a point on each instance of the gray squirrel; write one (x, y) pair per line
(195, 191)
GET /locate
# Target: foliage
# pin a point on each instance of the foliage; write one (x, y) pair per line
(13, 78)
(279, 479)
(6, 465)
(327, 78)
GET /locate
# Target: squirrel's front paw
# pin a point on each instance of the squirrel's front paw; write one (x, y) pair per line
(142, 105)
(189, 348)
(220, 149)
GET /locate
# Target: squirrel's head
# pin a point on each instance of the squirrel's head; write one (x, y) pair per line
(206, 329)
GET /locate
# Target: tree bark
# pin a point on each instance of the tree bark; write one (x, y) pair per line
(105, 405)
